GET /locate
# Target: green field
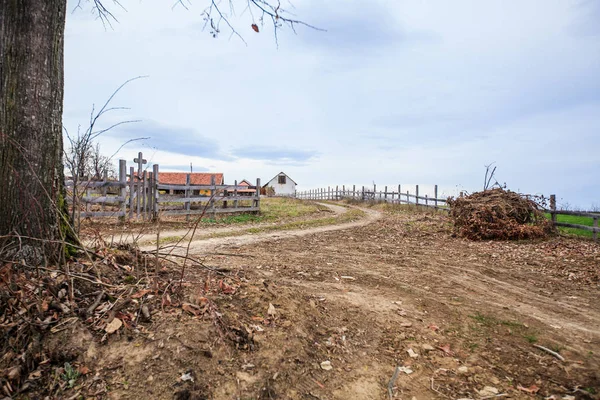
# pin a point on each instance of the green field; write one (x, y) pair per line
(573, 219)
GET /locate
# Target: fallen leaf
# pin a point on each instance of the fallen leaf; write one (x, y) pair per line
(114, 326)
(35, 375)
(271, 310)
(192, 309)
(255, 27)
(225, 288)
(446, 349)
(433, 327)
(141, 293)
(83, 370)
(531, 389)
(14, 373)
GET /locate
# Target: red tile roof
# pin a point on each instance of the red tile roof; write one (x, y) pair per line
(196, 178)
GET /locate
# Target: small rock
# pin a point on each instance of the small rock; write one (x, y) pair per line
(406, 370)
(463, 370)
(271, 310)
(187, 377)
(150, 378)
(488, 391)
(427, 347)
(406, 324)
(412, 353)
(326, 365)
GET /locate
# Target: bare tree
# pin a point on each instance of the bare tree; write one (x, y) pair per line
(83, 159)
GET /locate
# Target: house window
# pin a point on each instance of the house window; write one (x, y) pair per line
(281, 179)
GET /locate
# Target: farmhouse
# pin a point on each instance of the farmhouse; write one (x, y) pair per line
(196, 178)
(282, 184)
(249, 189)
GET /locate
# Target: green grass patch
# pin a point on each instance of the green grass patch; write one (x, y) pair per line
(234, 219)
(574, 219)
(275, 208)
(531, 338)
(169, 239)
(350, 215)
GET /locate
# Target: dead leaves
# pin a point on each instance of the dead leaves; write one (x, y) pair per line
(113, 326)
(533, 389)
(446, 349)
(254, 27)
(193, 309)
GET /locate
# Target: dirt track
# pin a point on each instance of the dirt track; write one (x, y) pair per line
(365, 296)
(205, 246)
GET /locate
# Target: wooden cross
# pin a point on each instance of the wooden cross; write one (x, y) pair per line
(140, 161)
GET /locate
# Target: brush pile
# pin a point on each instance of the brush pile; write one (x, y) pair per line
(498, 214)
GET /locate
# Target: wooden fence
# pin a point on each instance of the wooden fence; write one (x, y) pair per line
(140, 195)
(220, 199)
(589, 214)
(372, 194)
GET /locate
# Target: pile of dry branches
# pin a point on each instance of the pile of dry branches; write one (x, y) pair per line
(498, 214)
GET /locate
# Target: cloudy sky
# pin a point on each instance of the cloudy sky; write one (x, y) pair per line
(395, 92)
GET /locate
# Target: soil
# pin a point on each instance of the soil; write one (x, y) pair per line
(329, 313)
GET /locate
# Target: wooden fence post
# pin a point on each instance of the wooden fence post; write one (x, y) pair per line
(144, 196)
(426, 201)
(553, 208)
(595, 234)
(363, 194)
(131, 192)
(417, 194)
(156, 193)
(149, 197)
(213, 193)
(435, 193)
(399, 192)
(258, 194)
(385, 194)
(374, 191)
(235, 195)
(353, 191)
(123, 188)
(336, 192)
(188, 181)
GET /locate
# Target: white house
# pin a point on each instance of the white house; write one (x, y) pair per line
(282, 184)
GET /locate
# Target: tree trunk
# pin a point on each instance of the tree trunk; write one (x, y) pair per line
(32, 197)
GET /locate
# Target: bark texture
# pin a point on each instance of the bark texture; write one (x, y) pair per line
(31, 106)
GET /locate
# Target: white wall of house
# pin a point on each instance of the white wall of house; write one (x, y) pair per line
(282, 189)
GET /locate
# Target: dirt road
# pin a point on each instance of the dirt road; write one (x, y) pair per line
(201, 246)
(330, 313)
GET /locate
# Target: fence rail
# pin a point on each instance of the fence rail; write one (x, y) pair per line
(372, 194)
(140, 194)
(554, 213)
